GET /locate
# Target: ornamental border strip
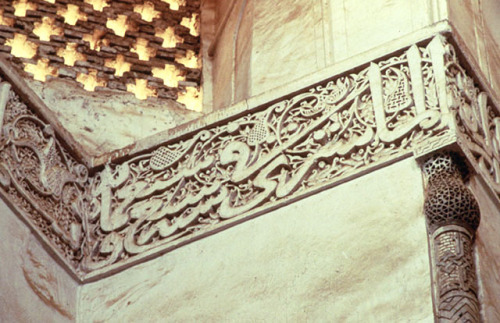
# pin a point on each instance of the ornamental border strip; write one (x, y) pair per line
(101, 222)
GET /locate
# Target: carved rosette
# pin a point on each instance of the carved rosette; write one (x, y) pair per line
(452, 215)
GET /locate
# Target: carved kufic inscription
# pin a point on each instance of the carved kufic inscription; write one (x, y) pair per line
(452, 217)
(225, 172)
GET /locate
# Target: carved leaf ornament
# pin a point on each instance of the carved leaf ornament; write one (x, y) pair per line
(477, 120)
(227, 172)
(39, 177)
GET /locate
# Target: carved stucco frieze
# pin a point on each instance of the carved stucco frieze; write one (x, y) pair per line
(39, 177)
(262, 159)
(453, 216)
(477, 119)
(190, 187)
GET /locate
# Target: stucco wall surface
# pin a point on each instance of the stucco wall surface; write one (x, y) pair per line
(488, 252)
(356, 252)
(106, 121)
(266, 44)
(33, 287)
(478, 24)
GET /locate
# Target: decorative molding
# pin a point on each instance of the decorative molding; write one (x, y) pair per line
(477, 121)
(452, 215)
(261, 160)
(39, 177)
(227, 172)
(456, 276)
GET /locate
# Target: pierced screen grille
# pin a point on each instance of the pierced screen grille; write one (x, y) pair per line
(150, 48)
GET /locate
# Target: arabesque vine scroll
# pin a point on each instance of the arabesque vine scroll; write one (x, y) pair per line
(235, 169)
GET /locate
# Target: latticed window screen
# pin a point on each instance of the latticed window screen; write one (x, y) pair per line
(150, 48)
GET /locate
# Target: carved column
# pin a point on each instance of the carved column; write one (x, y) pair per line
(452, 219)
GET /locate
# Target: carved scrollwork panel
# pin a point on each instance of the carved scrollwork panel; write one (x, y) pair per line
(226, 172)
(39, 176)
(478, 121)
(261, 159)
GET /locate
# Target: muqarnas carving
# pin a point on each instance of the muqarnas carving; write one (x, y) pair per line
(448, 200)
(452, 217)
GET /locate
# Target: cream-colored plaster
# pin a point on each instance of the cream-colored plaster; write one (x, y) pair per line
(488, 252)
(283, 42)
(360, 25)
(224, 54)
(477, 24)
(465, 19)
(33, 287)
(356, 252)
(490, 11)
(102, 122)
(243, 53)
(208, 29)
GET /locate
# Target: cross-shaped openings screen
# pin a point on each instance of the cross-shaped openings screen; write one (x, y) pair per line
(149, 48)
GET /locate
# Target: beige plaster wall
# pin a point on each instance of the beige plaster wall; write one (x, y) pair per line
(359, 25)
(282, 41)
(207, 32)
(33, 287)
(478, 24)
(356, 252)
(101, 122)
(488, 252)
(222, 61)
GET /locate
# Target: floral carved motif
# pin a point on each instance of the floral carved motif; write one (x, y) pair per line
(39, 177)
(262, 159)
(478, 122)
(227, 172)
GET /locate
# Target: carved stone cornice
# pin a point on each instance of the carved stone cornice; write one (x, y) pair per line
(229, 171)
(452, 215)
